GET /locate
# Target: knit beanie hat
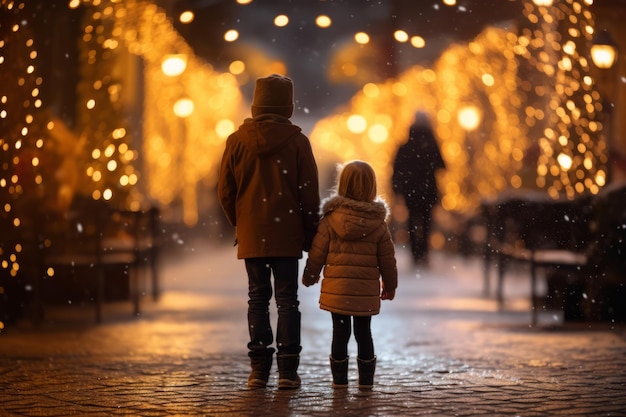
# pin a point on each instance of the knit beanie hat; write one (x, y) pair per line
(273, 94)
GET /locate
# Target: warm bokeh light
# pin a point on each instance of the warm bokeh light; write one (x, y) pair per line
(469, 117)
(183, 107)
(224, 128)
(362, 38)
(237, 67)
(603, 56)
(418, 41)
(174, 65)
(231, 35)
(281, 20)
(356, 123)
(323, 21)
(378, 133)
(186, 17)
(488, 80)
(371, 90)
(400, 36)
(565, 161)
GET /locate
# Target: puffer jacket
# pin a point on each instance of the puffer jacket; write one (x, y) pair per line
(353, 245)
(268, 188)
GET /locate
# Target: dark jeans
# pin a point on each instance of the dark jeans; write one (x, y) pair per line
(362, 333)
(285, 271)
(419, 232)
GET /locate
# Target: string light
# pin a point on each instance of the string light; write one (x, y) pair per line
(572, 148)
(188, 109)
(21, 180)
(521, 142)
(516, 120)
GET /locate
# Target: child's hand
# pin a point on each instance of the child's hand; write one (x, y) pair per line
(388, 295)
(311, 281)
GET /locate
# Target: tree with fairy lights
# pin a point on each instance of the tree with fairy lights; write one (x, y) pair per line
(40, 162)
(106, 156)
(25, 192)
(564, 111)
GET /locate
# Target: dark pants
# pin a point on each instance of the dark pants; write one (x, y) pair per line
(285, 271)
(342, 328)
(419, 230)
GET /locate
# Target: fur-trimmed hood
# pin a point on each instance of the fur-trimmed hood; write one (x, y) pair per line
(353, 219)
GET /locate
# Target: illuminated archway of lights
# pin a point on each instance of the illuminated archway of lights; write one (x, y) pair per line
(187, 116)
(545, 135)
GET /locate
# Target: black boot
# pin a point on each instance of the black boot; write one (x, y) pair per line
(288, 371)
(261, 366)
(339, 369)
(366, 372)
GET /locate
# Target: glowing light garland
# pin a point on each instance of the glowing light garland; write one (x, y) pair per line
(566, 120)
(179, 152)
(22, 136)
(555, 117)
(104, 134)
(541, 126)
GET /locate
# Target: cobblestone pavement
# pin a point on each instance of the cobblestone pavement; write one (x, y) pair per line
(443, 350)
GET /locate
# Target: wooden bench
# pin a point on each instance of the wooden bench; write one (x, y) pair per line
(89, 242)
(543, 234)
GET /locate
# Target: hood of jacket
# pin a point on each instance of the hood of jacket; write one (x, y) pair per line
(353, 219)
(267, 133)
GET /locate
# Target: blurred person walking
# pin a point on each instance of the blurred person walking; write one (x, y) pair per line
(353, 244)
(414, 180)
(268, 188)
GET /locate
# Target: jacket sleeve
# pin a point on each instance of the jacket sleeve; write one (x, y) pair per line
(308, 182)
(227, 186)
(317, 255)
(387, 261)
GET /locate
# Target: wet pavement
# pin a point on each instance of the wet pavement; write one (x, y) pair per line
(443, 350)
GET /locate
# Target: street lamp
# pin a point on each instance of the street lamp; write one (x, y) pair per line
(469, 118)
(604, 55)
(183, 109)
(603, 50)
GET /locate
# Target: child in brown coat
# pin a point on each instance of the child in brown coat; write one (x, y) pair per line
(268, 189)
(353, 245)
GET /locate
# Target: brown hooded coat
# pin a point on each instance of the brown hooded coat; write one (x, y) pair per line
(353, 244)
(268, 188)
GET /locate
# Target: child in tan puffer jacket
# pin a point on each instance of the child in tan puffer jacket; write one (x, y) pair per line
(353, 245)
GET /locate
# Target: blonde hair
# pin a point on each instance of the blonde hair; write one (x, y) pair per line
(357, 181)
